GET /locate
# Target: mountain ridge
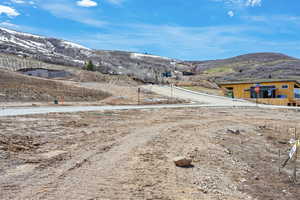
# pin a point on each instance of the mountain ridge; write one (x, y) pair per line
(264, 65)
(56, 51)
(146, 67)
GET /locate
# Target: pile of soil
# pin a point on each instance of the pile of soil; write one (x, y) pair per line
(18, 87)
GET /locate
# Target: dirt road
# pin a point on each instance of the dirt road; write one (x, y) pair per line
(128, 155)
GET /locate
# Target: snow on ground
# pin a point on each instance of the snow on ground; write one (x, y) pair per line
(73, 45)
(27, 44)
(19, 33)
(138, 56)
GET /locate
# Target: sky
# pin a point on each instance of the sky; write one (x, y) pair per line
(182, 29)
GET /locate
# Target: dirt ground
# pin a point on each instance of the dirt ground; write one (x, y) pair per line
(119, 95)
(19, 90)
(15, 87)
(128, 155)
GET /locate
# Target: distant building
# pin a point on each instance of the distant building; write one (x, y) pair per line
(276, 92)
(188, 73)
(167, 74)
(44, 73)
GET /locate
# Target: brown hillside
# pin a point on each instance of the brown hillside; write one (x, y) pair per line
(17, 87)
(250, 66)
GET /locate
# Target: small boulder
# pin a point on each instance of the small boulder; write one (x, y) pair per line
(182, 162)
(234, 131)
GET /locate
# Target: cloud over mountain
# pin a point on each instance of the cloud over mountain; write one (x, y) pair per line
(10, 12)
(86, 3)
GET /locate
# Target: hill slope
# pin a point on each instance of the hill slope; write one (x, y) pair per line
(142, 66)
(250, 66)
(18, 87)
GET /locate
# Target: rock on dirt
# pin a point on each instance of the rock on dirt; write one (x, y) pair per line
(234, 131)
(182, 162)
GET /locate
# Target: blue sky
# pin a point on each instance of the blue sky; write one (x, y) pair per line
(183, 29)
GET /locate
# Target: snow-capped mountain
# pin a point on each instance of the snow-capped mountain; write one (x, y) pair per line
(42, 48)
(56, 51)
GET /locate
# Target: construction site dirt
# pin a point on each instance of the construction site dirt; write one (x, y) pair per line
(236, 154)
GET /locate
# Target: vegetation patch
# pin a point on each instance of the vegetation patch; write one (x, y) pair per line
(223, 69)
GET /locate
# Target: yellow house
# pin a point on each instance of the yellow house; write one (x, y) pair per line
(276, 92)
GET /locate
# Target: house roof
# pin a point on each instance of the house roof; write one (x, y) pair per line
(257, 81)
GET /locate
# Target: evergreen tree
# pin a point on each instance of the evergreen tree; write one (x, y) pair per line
(90, 66)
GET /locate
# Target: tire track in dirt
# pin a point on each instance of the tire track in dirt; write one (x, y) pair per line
(97, 174)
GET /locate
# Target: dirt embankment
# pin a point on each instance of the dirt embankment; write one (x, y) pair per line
(17, 87)
(82, 88)
(128, 155)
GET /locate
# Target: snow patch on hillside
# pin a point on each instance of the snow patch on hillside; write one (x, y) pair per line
(73, 45)
(140, 56)
(19, 33)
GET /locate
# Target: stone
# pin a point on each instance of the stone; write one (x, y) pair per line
(234, 131)
(182, 162)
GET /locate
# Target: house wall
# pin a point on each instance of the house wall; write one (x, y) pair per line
(279, 102)
(47, 73)
(37, 72)
(239, 89)
(297, 102)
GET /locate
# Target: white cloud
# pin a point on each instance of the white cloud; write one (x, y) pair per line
(71, 12)
(30, 2)
(86, 3)
(23, 28)
(191, 43)
(240, 3)
(285, 22)
(9, 25)
(10, 12)
(115, 1)
(230, 13)
(18, 1)
(173, 41)
(253, 3)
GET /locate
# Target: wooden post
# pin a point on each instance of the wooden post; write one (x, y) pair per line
(172, 91)
(256, 101)
(139, 96)
(9, 148)
(62, 100)
(279, 166)
(296, 157)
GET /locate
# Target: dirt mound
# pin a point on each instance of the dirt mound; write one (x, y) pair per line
(17, 143)
(87, 76)
(17, 87)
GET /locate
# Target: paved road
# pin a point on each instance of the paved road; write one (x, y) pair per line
(69, 109)
(196, 97)
(65, 109)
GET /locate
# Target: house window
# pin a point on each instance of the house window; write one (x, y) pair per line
(229, 92)
(285, 86)
(297, 93)
(265, 92)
